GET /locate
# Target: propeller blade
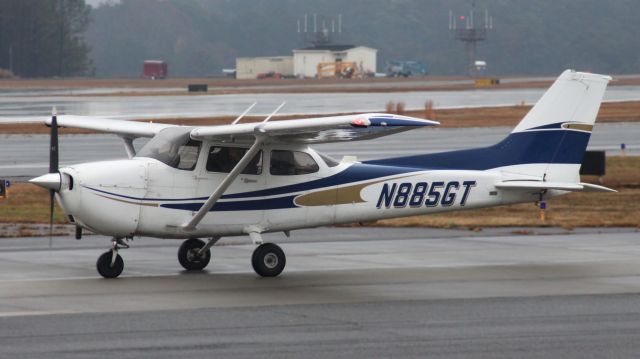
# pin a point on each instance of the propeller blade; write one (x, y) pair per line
(53, 149)
(51, 198)
(53, 168)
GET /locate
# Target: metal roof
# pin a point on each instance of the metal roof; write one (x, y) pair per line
(329, 47)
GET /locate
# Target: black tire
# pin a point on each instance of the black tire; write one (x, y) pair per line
(268, 260)
(188, 258)
(103, 265)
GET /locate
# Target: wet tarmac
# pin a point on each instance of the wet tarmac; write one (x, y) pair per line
(26, 108)
(346, 293)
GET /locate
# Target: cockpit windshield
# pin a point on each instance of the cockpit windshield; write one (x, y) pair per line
(174, 147)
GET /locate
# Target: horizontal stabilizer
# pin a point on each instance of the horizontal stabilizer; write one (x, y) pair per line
(588, 187)
(562, 186)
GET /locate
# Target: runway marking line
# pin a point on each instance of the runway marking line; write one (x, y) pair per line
(29, 313)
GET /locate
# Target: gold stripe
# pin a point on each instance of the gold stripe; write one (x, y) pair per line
(578, 126)
(328, 197)
(335, 196)
(129, 202)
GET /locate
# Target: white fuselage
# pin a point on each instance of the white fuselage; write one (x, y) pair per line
(143, 196)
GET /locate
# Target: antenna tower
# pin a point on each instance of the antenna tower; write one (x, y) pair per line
(319, 29)
(466, 31)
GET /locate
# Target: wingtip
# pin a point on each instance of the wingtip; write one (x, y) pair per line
(403, 117)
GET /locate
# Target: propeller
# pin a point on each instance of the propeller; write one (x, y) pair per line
(53, 167)
(52, 180)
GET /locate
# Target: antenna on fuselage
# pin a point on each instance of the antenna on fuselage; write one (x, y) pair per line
(274, 112)
(244, 113)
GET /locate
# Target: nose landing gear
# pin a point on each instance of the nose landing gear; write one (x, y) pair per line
(110, 263)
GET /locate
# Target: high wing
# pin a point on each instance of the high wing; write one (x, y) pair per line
(123, 128)
(311, 130)
(316, 130)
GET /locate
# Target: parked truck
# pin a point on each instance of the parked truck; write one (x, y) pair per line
(155, 69)
(406, 69)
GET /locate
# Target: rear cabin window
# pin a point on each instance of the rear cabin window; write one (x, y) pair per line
(223, 159)
(286, 163)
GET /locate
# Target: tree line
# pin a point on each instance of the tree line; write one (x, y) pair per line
(44, 38)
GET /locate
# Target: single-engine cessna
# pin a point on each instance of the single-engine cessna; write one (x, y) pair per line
(252, 178)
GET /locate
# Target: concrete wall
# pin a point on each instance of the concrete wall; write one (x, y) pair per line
(250, 67)
(364, 57)
(305, 62)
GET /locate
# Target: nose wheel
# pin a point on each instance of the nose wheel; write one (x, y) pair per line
(268, 260)
(110, 264)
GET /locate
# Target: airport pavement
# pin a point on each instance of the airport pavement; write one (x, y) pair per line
(278, 86)
(346, 292)
(27, 155)
(22, 107)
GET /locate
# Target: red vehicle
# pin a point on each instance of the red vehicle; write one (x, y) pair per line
(269, 75)
(155, 69)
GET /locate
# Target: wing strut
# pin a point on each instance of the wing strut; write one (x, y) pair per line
(128, 146)
(222, 187)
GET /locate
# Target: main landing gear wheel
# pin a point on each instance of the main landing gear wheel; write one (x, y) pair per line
(188, 255)
(268, 260)
(109, 267)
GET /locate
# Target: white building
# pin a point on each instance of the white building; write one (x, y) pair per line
(250, 67)
(306, 60)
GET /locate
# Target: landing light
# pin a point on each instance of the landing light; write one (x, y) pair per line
(359, 122)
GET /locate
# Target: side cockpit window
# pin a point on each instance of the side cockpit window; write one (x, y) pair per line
(188, 155)
(173, 147)
(286, 163)
(223, 159)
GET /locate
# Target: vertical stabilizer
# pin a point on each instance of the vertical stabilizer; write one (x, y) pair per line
(548, 144)
(574, 97)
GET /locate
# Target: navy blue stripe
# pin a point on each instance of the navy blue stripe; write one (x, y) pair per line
(551, 125)
(146, 199)
(518, 148)
(251, 205)
(390, 121)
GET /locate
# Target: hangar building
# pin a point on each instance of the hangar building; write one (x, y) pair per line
(251, 67)
(306, 60)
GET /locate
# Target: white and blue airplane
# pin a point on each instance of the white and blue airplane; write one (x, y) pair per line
(254, 178)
